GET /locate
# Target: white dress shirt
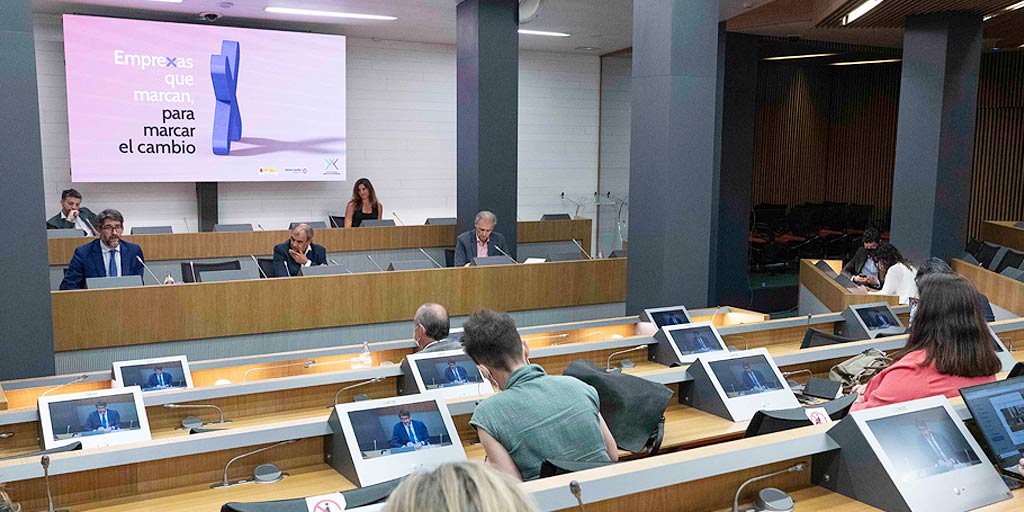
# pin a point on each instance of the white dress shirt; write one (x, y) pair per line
(80, 223)
(899, 280)
(107, 251)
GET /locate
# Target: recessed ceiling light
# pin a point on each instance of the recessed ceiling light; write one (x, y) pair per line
(587, 48)
(1009, 8)
(328, 14)
(803, 56)
(859, 62)
(543, 33)
(861, 10)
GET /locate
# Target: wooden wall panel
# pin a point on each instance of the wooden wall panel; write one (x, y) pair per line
(997, 189)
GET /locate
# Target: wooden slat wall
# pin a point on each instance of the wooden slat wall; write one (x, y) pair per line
(997, 189)
(826, 134)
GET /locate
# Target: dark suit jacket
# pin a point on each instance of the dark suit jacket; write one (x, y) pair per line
(748, 382)
(455, 374)
(88, 262)
(318, 256)
(856, 264)
(56, 222)
(399, 436)
(93, 422)
(168, 380)
(465, 246)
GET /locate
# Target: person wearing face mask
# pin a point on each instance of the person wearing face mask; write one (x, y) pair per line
(861, 266)
(107, 256)
(536, 416)
(431, 329)
(297, 252)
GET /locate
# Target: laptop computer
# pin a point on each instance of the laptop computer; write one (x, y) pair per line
(998, 411)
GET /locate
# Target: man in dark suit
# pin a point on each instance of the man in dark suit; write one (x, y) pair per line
(481, 241)
(108, 256)
(72, 215)
(159, 379)
(409, 432)
(455, 374)
(753, 379)
(103, 419)
(933, 449)
(861, 266)
(299, 251)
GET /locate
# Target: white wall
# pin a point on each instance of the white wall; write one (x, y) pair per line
(401, 135)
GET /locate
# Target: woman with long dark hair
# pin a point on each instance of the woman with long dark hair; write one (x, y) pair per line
(363, 205)
(895, 272)
(949, 347)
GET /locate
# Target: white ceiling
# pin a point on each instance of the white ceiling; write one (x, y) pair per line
(605, 24)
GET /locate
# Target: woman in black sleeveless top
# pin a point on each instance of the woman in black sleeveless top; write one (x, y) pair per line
(364, 204)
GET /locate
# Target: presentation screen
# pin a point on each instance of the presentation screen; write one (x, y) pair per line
(164, 102)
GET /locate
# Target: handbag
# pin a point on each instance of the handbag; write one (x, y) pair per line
(860, 368)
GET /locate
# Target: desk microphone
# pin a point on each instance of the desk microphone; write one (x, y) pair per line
(353, 386)
(374, 263)
(258, 267)
(94, 231)
(432, 260)
(78, 379)
(578, 205)
(399, 219)
(585, 253)
(187, 230)
(155, 280)
(305, 364)
(260, 226)
(196, 406)
(577, 491)
(192, 265)
(505, 253)
(608, 366)
(45, 461)
(335, 263)
(225, 483)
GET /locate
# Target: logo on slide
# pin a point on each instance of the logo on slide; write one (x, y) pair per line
(332, 166)
(227, 119)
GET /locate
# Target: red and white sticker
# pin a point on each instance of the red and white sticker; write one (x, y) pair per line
(817, 415)
(326, 503)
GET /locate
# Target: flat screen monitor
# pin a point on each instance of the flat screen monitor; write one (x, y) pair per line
(96, 418)
(392, 437)
(998, 410)
(746, 381)
(671, 315)
(154, 374)
(746, 376)
(691, 340)
(450, 374)
(877, 319)
(816, 338)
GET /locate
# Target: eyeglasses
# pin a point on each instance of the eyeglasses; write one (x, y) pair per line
(108, 227)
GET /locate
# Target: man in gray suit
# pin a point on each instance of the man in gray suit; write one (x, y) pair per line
(480, 241)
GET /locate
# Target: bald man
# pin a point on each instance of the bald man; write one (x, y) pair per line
(297, 252)
(431, 329)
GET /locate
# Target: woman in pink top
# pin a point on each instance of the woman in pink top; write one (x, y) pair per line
(948, 349)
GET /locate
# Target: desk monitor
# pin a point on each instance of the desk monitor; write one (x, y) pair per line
(450, 374)
(217, 276)
(870, 321)
(154, 374)
(411, 265)
(735, 385)
(95, 418)
(998, 409)
(843, 279)
(816, 338)
(671, 315)
(376, 223)
(323, 270)
(684, 343)
(379, 440)
(441, 221)
(555, 216)
(915, 455)
(96, 283)
(1004, 355)
(65, 233)
(493, 260)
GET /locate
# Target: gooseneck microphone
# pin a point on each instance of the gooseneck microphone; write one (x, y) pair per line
(375, 263)
(496, 246)
(585, 253)
(45, 461)
(335, 263)
(225, 483)
(577, 492)
(192, 266)
(432, 260)
(399, 219)
(155, 280)
(199, 406)
(187, 229)
(608, 366)
(305, 364)
(94, 231)
(76, 380)
(353, 386)
(258, 267)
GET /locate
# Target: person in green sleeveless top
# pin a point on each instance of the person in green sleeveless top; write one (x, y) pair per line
(536, 416)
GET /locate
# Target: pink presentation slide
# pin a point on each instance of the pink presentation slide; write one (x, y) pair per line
(163, 102)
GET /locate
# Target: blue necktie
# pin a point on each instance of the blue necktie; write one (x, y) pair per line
(112, 268)
(104, 418)
(412, 434)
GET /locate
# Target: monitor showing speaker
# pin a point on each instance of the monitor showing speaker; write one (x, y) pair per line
(155, 374)
(683, 343)
(670, 315)
(735, 385)
(95, 418)
(870, 321)
(449, 373)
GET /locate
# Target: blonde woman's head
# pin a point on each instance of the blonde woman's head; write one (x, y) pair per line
(459, 487)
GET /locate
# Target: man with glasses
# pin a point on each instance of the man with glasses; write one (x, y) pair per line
(108, 256)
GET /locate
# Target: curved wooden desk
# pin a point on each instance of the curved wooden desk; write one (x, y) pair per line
(1004, 233)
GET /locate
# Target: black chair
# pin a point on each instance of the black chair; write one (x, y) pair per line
(767, 422)
(336, 221)
(66, 448)
(986, 253)
(361, 497)
(1012, 259)
(192, 272)
(152, 230)
(267, 266)
(973, 247)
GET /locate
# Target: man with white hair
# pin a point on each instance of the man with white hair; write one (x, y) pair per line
(481, 241)
(297, 252)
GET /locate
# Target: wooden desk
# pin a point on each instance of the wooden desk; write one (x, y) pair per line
(211, 310)
(831, 293)
(1004, 233)
(192, 246)
(1000, 290)
(3, 399)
